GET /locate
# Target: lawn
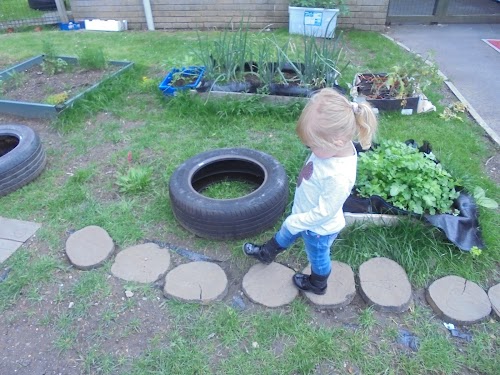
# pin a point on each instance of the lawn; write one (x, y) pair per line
(62, 320)
(17, 10)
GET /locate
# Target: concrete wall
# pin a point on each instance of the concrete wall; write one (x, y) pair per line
(203, 14)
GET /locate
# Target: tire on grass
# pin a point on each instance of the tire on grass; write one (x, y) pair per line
(42, 4)
(22, 157)
(229, 218)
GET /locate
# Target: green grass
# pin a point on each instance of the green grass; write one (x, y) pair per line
(16, 10)
(129, 114)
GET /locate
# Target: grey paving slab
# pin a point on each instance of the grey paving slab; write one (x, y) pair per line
(494, 296)
(341, 287)
(143, 263)
(89, 247)
(202, 282)
(469, 63)
(384, 284)
(270, 285)
(458, 300)
(17, 230)
(13, 233)
(7, 248)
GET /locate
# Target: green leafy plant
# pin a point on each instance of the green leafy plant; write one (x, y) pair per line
(51, 63)
(404, 80)
(454, 111)
(92, 58)
(56, 99)
(481, 199)
(135, 179)
(475, 252)
(407, 178)
(328, 4)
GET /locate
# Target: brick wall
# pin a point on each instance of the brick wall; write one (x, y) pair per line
(202, 14)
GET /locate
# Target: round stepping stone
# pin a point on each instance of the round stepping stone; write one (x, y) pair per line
(384, 284)
(341, 287)
(89, 247)
(270, 285)
(494, 296)
(196, 282)
(458, 300)
(143, 263)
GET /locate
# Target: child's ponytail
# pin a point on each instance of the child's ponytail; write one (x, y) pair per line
(366, 123)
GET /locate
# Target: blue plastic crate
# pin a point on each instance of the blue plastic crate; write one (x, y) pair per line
(169, 90)
(72, 25)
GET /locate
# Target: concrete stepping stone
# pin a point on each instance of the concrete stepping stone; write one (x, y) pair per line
(270, 285)
(143, 263)
(196, 282)
(89, 247)
(341, 287)
(385, 285)
(13, 233)
(494, 296)
(458, 300)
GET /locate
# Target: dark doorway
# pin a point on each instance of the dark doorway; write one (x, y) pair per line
(443, 11)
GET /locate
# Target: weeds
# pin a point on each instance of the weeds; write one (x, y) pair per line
(92, 58)
(51, 63)
(135, 180)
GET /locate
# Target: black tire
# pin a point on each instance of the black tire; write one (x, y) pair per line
(229, 218)
(22, 157)
(42, 4)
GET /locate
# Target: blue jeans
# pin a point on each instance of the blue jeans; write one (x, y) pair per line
(317, 247)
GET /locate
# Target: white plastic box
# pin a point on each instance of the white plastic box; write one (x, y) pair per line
(106, 25)
(316, 22)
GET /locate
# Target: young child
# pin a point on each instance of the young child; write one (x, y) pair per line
(327, 126)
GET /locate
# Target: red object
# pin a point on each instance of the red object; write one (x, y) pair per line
(494, 43)
(129, 157)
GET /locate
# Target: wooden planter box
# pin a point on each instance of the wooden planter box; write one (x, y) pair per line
(41, 110)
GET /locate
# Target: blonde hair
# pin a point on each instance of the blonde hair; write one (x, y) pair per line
(329, 117)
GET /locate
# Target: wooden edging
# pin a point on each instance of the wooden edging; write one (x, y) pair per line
(276, 99)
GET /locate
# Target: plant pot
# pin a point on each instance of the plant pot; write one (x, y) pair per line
(317, 22)
(363, 88)
(186, 78)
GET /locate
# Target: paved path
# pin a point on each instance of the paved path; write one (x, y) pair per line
(471, 65)
(383, 283)
(13, 233)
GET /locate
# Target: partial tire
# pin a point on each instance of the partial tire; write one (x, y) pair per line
(22, 157)
(229, 218)
(42, 4)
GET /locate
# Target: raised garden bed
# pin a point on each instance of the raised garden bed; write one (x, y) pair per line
(406, 180)
(373, 88)
(29, 92)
